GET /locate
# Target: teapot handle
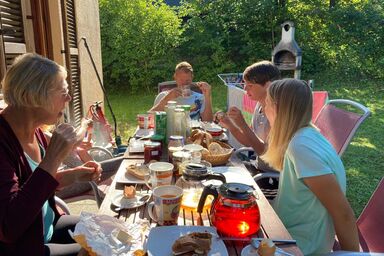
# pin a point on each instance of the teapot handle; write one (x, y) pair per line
(208, 190)
(216, 176)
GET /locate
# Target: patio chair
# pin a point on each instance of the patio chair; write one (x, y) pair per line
(339, 125)
(320, 98)
(370, 224)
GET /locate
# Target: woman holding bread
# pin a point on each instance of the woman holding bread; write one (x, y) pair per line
(36, 92)
(311, 198)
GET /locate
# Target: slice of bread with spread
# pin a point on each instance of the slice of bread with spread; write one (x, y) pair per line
(196, 243)
(139, 171)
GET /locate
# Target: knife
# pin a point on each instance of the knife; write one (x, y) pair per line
(247, 239)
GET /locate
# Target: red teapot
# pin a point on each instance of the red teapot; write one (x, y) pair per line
(234, 211)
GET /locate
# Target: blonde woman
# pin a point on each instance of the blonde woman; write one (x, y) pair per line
(36, 92)
(311, 199)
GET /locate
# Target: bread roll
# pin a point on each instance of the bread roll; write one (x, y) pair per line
(215, 148)
(266, 248)
(129, 192)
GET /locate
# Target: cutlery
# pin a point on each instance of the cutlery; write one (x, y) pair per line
(247, 239)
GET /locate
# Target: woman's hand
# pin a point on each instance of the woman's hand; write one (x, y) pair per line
(61, 144)
(90, 171)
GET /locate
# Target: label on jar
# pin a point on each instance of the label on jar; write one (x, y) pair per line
(154, 153)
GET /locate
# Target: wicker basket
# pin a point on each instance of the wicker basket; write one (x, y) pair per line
(221, 159)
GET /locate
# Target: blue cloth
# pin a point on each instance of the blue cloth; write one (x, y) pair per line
(308, 154)
(48, 214)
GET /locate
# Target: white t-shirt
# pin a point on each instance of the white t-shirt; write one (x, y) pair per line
(260, 126)
(196, 100)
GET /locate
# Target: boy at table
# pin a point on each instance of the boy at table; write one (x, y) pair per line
(201, 104)
(257, 78)
(311, 198)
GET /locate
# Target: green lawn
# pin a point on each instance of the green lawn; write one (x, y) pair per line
(363, 159)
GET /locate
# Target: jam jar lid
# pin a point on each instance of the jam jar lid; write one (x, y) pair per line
(151, 144)
(236, 191)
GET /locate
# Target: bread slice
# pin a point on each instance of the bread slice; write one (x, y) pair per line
(196, 242)
(138, 171)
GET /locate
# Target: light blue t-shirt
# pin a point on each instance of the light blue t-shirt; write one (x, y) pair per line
(48, 214)
(196, 100)
(308, 154)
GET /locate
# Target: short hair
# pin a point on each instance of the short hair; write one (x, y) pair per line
(293, 99)
(184, 66)
(29, 81)
(261, 72)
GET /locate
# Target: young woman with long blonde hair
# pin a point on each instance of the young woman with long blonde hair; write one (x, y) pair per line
(311, 199)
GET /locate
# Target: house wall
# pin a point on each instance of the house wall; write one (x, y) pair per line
(88, 26)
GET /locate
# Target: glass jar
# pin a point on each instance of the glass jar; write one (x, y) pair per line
(179, 157)
(179, 122)
(152, 151)
(176, 143)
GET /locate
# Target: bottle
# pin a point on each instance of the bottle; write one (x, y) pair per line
(188, 126)
(179, 122)
(169, 109)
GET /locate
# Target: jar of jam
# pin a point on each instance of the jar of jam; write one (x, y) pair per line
(152, 151)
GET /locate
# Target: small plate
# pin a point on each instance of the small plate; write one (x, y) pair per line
(125, 203)
(161, 239)
(249, 250)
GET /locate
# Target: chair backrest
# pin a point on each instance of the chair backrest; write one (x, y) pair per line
(339, 125)
(371, 222)
(320, 98)
(167, 85)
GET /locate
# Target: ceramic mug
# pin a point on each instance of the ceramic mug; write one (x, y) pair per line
(160, 174)
(166, 203)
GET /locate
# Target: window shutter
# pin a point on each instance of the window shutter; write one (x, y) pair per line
(12, 39)
(72, 60)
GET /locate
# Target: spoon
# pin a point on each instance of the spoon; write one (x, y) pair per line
(134, 204)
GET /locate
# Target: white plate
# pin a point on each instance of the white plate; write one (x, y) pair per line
(125, 203)
(161, 239)
(124, 177)
(249, 250)
(234, 174)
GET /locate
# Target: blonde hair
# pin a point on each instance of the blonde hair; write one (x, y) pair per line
(29, 81)
(184, 66)
(293, 99)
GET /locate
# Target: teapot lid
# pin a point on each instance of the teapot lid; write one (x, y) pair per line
(236, 191)
(195, 170)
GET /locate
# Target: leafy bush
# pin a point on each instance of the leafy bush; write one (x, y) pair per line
(138, 38)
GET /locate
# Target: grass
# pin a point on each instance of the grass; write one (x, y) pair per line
(363, 159)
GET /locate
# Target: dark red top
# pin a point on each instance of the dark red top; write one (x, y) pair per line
(22, 196)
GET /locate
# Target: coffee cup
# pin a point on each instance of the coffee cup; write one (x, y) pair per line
(166, 203)
(160, 174)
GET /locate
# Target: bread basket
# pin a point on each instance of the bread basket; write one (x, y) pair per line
(220, 159)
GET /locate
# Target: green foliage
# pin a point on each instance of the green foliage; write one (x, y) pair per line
(137, 41)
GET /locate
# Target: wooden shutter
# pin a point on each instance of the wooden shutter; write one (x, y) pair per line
(72, 60)
(12, 39)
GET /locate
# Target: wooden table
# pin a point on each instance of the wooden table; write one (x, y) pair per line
(271, 225)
